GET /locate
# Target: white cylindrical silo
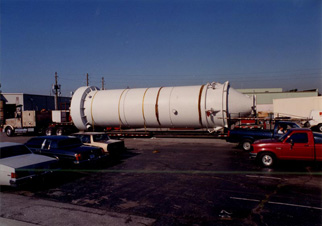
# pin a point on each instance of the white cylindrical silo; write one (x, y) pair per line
(204, 106)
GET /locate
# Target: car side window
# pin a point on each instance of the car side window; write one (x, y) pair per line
(46, 144)
(301, 138)
(85, 139)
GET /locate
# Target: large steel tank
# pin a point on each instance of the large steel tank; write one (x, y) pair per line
(204, 106)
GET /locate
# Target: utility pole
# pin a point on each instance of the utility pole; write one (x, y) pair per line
(103, 83)
(56, 90)
(87, 82)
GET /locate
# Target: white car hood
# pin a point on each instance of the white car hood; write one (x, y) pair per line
(25, 160)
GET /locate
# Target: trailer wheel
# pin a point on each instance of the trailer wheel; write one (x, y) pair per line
(9, 132)
(49, 131)
(247, 145)
(267, 159)
(59, 131)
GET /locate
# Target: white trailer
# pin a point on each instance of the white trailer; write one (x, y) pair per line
(303, 107)
(205, 106)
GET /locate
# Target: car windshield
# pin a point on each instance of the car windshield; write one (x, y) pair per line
(70, 142)
(100, 137)
(14, 151)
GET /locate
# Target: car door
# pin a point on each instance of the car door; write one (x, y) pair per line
(300, 148)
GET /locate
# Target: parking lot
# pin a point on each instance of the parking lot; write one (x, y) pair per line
(184, 181)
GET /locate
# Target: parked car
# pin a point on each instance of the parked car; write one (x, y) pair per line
(18, 165)
(245, 137)
(100, 139)
(68, 150)
(296, 144)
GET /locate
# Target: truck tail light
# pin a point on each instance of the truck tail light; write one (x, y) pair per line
(78, 157)
(228, 133)
(14, 175)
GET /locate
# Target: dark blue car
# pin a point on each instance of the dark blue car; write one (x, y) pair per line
(67, 149)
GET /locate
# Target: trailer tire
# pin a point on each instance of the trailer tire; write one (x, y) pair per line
(267, 159)
(9, 132)
(49, 131)
(60, 131)
(247, 145)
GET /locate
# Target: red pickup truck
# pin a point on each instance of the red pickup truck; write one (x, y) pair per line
(296, 144)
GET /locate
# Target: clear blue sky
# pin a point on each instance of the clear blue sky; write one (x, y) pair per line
(150, 43)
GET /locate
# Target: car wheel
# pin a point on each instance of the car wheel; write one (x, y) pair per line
(246, 145)
(319, 128)
(307, 125)
(9, 132)
(267, 159)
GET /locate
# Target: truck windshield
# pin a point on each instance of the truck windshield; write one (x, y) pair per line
(14, 151)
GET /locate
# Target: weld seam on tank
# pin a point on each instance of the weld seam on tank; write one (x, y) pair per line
(144, 121)
(126, 124)
(224, 102)
(157, 106)
(206, 117)
(170, 104)
(199, 105)
(119, 106)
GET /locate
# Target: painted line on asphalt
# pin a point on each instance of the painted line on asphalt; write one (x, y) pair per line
(264, 177)
(278, 203)
(245, 199)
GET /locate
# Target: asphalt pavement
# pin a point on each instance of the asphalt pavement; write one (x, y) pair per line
(174, 182)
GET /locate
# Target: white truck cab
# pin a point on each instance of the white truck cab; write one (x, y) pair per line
(316, 120)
